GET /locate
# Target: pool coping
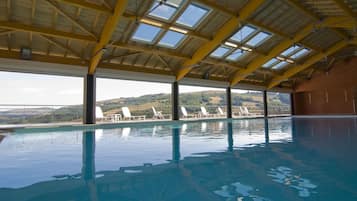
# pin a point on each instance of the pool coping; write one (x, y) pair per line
(101, 125)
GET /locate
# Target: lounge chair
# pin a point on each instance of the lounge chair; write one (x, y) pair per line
(204, 112)
(127, 115)
(157, 114)
(247, 112)
(99, 115)
(242, 111)
(185, 114)
(220, 112)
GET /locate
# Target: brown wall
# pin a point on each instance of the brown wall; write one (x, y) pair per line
(334, 92)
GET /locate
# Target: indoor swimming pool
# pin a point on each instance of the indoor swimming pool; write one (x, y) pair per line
(230, 160)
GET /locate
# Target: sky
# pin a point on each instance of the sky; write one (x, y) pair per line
(34, 89)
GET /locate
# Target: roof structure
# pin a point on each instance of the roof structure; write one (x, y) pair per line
(267, 43)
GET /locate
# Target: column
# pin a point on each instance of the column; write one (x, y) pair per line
(292, 103)
(89, 99)
(265, 101)
(229, 102)
(175, 100)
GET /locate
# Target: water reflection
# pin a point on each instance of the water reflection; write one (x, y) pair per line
(258, 160)
(239, 192)
(286, 176)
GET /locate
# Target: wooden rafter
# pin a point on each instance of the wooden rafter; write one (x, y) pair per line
(5, 32)
(60, 45)
(258, 62)
(310, 61)
(251, 21)
(342, 4)
(226, 30)
(72, 19)
(106, 35)
(84, 4)
(45, 31)
(297, 5)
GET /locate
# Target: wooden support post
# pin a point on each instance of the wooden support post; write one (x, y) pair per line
(265, 101)
(175, 100)
(229, 102)
(89, 99)
(292, 104)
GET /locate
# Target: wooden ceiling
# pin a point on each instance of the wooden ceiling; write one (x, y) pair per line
(98, 34)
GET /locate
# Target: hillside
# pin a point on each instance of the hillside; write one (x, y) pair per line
(141, 106)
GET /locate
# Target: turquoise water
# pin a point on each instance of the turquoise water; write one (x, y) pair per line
(279, 159)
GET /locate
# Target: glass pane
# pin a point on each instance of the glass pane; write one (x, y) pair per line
(290, 50)
(171, 39)
(300, 53)
(259, 38)
(146, 33)
(270, 63)
(164, 11)
(280, 65)
(220, 51)
(192, 15)
(236, 54)
(243, 33)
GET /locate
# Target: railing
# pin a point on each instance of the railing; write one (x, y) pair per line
(39, 114)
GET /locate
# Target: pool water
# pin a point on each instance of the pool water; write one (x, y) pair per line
(240, 160)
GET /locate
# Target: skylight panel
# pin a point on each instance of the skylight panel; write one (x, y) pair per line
(270, 62)
(243, 33)
(290, 50)
(300, 53)
(192, 15)
(166, 10)
(235, 55)
(220, 51)
(258, 39)
(280, 65)
(146, 33)
(171, 39)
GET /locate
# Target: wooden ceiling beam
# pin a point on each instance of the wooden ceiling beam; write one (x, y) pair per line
(84, 4)
(4, 32)
(252, 22)
(342, 4)
(221, 35)
(312, 15)
(310, 61)
(16, 26)
(107, 33)
(60, 45)
(73, 20)
(259, 61)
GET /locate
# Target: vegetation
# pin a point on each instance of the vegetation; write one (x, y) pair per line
(142, 106)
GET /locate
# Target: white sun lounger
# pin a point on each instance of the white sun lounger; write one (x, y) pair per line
(127, 115)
